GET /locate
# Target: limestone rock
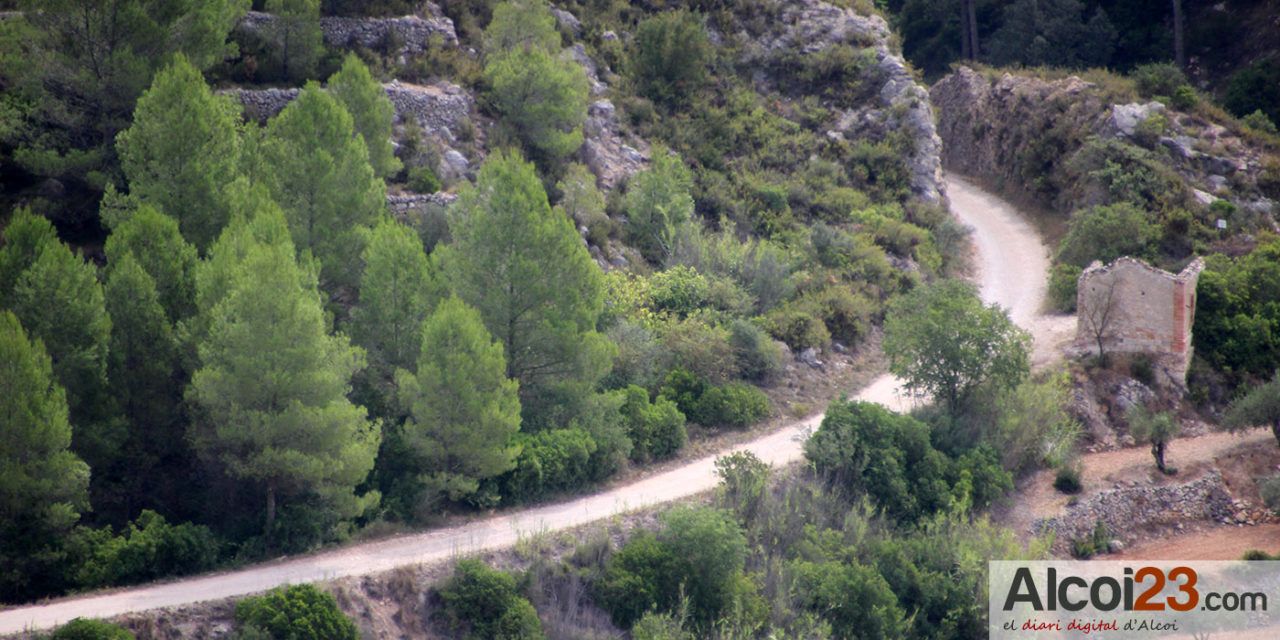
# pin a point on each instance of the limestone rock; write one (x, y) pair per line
(567, 20)
(1126, 117)
(604, 149)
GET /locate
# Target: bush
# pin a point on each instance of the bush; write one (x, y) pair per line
(680, 290)
(701, 347)
(639, 358)
(485, 602)
(1067, 479)
(1106, 233)
(1158, 79)
(1270, 491)
(656, 428)
(758, 357)
(550, 461)
(422, 179)
(846, 315)
(669, 62)
(1258, 121)
(541, 99)
(296, 612)
(736, 405)
(797, 327)
(1255, 88)
(1184, 98)
(1063, 280)
(1148, 132)
(149, 549)
(85, 629)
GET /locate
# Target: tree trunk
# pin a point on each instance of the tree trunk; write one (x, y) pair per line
(1179, 47)
(1157, 450)
(1275, 429)
(965, 53)
(271, 508)
(972, 20)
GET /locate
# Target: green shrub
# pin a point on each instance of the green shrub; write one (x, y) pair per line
(1184, 98)
(422, 179)
(758, 357)
(1270, 491)
(736, 405)
(680, 290)
(486, 603)
(1158, 79)
(1106, 233)
(1067, 479)
(656, 428)
(1258, 554)
(1148, 132)
(696, 344)
(1082, 548)
(846, 315)
(639, 359)
(1258, 121)
(797, 327)
(659, 626)
(296, 612)
(669, 61)
(550, 461)
(639, 577)
(1255, 88)
(150, 548)
(1063, 280)
(85, 629)
(854, 597)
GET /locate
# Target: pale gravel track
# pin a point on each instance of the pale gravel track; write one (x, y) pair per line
(1011, 268)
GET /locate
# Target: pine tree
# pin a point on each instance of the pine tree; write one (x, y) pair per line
(152, 239)
(299, 40)
(657, 204)
(318, 171)
(525, 269)
(271, 390)
(182, 150)
(397, 292)
(541, 99)
(463, 408)
(25, 238)
(146, 383)
(521, 24)
(43, 486)
(371, 112)
(59, 300)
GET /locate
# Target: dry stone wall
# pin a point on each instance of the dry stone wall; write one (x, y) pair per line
(405, 35)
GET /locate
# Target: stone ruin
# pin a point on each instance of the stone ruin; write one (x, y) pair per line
(1137, 309)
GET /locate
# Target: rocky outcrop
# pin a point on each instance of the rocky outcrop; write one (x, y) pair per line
(900, 103)
(1022, 133)
(1127, 511)
(403, 36)
(604, 149)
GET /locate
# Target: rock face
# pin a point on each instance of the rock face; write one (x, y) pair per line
(809, 26)
(1126, 511)
(604, 149)
(405, 36)
(1022, 133)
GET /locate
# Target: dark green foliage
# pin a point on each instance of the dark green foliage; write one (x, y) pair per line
(1255, 88)
(423, 180)
(485, 603)
(743, 479)
(658, 205)
(1158, 79)
(670, 57)
(550, 462)
(1063, 280)
(298, 612)
(862, 448)
(1259, 406)
(153, 240)
(77, 66)
(734, 405)
(299, 43)
(525, 269)
(86, 629)
(1053, 33)
(1236, 314)
(758, 357)
(699, 553)
(656, 429)
(855, 598)
(1106, 233)
(797, 327)
(1067, 479)
(43, 486)
(149, 549)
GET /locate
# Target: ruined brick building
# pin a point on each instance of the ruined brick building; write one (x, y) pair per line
(1130, 307)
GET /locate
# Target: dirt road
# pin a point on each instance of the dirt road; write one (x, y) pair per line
(1012, 265)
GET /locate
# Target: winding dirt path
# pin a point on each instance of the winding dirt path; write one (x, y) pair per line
(1012, 266)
